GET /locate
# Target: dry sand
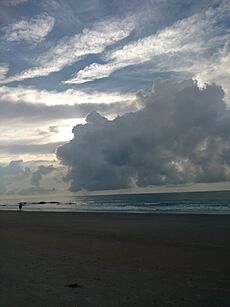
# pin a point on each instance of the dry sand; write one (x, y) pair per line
(91, 259)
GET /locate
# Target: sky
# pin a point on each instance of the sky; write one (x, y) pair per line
(114, 96)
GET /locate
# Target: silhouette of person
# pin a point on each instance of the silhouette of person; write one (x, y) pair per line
(20, 206)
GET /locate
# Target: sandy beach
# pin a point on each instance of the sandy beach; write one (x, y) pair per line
(99, 259)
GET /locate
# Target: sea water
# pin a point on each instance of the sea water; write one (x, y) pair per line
(189, 202)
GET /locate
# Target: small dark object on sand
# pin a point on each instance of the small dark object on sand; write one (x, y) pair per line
(75, 285)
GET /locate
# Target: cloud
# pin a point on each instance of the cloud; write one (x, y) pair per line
(14, 171)
(42, 113)
(68, 97)
(34, 130)
(39, 173)
(3, 70)
(14, 168)
(24, 147)
(33, 30)
(36, 191)
(13, 2)
(54, 129)
(180, 135)
(194, 40)
(26, 114)
(217, 71)
(70, 50)
(18, 175)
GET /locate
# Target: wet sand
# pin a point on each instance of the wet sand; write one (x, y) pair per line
(97, 259)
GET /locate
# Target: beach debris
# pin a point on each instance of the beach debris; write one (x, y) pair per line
(74, 285)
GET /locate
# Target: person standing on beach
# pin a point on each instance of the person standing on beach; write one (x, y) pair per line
(20, 206)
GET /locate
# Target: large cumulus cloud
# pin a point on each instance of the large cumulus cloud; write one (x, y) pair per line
(31, 177)
(14, 171)
(39, 173)
(181, 134)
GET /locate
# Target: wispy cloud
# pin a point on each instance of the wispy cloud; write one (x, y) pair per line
(24, 147)
(67, 97)
(37, 112)
(199, 37)
(13, 2)
(70, 50)
(33, 30)
(217, 71)
(3, 70)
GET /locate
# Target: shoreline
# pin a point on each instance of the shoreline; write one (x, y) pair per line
(113, 259)
(202, 213)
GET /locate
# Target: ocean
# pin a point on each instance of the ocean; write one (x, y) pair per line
(217, 202)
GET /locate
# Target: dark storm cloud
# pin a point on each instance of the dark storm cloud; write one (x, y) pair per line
(181, 135)
(39, 173)
(42, 112)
